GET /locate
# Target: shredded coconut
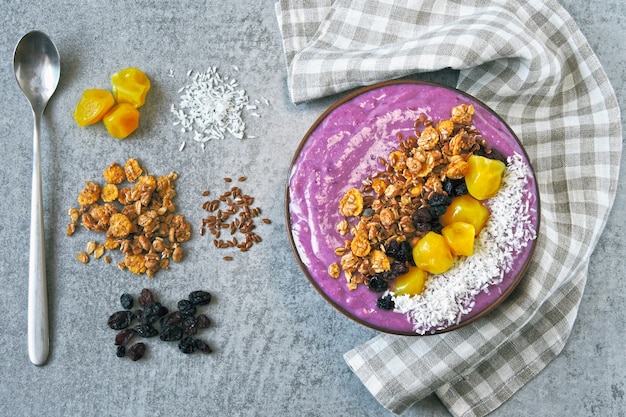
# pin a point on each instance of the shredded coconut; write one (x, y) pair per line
(211, 107)
(449, 296)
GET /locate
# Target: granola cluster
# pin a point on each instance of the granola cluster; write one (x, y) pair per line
(384, 209)
(138, 219)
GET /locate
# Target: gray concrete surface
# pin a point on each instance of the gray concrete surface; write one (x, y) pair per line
(278, 345)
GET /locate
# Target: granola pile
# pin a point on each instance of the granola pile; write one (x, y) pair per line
(138, 219)
(400, 202)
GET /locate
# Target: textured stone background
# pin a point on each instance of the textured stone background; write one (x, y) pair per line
(278, 345)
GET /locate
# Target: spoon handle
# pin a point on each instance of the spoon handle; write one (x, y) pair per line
(38, 337)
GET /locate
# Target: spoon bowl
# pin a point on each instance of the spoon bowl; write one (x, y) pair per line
(37, 68)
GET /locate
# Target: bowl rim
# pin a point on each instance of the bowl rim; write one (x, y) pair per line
(505, 293)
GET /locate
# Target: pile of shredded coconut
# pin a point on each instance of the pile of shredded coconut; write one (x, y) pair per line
(211, 107)
(450, 295)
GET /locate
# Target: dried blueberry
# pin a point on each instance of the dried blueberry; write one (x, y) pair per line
(127, 301)
(136, 351)
(377, 284)
(187, 308)
(120, 351)
(146, 330)
(405, 253)
(461, 188)
(187, 345)
(397, 268)
(440, 200)
(124, 336)
(152, 312)
(120, 319)
(171, 333)
(437, 210)
(200, 298)
(386, 302)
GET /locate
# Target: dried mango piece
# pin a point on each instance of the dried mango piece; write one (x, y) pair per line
(90, 194)
(119, 225)
(352, 203)
(114, 174)
(92, 106)
(130, 86)
(121, 120)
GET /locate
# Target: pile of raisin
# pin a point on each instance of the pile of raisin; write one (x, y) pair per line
(154, 319)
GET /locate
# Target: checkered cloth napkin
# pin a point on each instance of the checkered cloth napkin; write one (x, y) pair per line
(527, 60)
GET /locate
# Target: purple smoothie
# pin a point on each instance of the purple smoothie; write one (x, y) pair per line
(341, 150)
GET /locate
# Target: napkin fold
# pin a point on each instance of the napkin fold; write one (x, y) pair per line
(528, 61)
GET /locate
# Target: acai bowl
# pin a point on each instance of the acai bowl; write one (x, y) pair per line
(356, 143)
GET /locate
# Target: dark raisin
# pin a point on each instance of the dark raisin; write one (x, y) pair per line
(124, 336)
(146, 297)
(120, 351)
(152, 312)
(200, 298)
(127, 301)
(136, 351)
(190, 325)
(202, 321)
(172, 319)
(120, 319)
(392, 248)
(386, 303)
(421, 215)
(187, 308)
(377, 284)
(423, 227)
(202, 346)
(171, 333)
(146, 330)
(187, 345)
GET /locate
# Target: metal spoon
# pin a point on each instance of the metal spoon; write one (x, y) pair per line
(37, 66)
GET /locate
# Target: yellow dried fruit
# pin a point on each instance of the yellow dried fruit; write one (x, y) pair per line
(132, 170)
(114, 174)
(90, 194)
(352, 203)
(121, 120)
(92, 106)
(109, 193)
(119, 226)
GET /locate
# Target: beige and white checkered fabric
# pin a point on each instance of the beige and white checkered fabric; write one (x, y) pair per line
(528, 61)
